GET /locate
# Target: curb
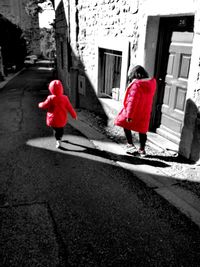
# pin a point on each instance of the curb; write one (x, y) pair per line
(3, 83)
(185, 201)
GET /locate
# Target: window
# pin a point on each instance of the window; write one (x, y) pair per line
(111, 62)
(112, 66)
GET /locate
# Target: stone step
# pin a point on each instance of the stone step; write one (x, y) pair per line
(162, 142)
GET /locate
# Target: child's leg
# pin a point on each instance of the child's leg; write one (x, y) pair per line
(58, 132)
(142, 139)
(128, 135)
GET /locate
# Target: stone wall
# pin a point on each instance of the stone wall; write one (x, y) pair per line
(90, 22)
(102, 19)
(62, 47)
(137, 22)
(14, 10)
(85, 22)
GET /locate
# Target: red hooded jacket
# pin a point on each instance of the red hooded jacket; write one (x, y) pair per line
(137, 105)
(57, 105)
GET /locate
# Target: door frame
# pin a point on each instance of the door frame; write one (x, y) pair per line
(166, 26)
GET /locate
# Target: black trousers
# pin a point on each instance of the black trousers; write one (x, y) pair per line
(142, 138)
(58, 132)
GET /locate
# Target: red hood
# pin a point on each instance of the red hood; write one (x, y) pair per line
(56, 88)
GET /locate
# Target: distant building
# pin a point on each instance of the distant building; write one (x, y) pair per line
(14, 10)
(99, 40)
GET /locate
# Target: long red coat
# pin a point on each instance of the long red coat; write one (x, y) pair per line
(137, 105)
(57, 105)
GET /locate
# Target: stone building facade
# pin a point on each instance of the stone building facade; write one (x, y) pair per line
(14, 11)
(99, 40)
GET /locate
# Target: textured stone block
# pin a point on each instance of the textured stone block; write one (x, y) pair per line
(195, 149)
(188, 129)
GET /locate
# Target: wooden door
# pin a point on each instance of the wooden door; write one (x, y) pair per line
(175, 85)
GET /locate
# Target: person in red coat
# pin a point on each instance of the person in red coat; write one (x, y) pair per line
(137, 106)
(58, 106)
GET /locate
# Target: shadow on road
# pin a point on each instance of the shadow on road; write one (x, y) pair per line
(112, 156)
(176, 158)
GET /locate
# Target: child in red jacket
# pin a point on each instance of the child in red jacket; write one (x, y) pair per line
(57, 105)
(137, 105)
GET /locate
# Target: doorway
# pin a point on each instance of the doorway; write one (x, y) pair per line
(172, 71)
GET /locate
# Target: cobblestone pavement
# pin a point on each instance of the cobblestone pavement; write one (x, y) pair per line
(186, 174)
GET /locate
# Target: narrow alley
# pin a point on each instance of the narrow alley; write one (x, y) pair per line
(75, 206)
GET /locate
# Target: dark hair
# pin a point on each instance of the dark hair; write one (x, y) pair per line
(137, 72)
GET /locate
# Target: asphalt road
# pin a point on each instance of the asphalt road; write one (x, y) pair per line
(75, 206)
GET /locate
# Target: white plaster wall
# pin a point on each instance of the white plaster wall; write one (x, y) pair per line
(159, 8)
(148, 28)
(169, 7)
(57, 2)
